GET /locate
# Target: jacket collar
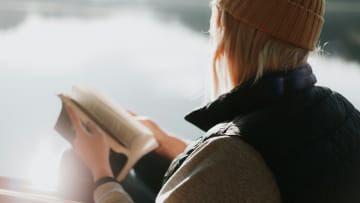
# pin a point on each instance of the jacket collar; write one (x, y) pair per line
(245, 98)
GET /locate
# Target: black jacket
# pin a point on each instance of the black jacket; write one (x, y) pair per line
(309, 136)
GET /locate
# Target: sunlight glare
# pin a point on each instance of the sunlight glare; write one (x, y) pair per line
(44, 168)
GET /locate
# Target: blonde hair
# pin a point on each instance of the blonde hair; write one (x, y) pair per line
(242, 53)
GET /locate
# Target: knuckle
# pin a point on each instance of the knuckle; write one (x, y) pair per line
(151, 123)
(146, 121)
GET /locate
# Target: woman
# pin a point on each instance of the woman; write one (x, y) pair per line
(272, 135)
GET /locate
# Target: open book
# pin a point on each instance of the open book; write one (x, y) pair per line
(125, 134)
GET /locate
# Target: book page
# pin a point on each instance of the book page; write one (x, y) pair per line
(64, 125)
(122, 126)
(125, 134)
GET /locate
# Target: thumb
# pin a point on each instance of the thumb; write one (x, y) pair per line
(132, 113)
(92, 128)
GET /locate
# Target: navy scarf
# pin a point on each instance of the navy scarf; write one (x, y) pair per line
(244, 99)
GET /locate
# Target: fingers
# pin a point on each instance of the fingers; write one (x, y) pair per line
(91, 128)
(88, 129)
(147, 122)
(142, 119)
(132, 113)
(74, 118)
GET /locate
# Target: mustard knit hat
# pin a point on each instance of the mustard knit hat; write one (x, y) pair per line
(298, 22)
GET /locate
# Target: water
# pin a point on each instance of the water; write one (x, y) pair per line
(125, 49)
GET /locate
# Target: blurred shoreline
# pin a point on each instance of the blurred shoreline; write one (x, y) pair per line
(341, 30)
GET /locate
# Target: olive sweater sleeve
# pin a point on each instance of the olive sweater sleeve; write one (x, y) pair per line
(111, 192)
(222, 169)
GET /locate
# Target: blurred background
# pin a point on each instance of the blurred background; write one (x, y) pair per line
(151, 56)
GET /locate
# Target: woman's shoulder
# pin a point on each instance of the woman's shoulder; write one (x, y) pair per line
(223, 169)
(231, 157)
(224, 147)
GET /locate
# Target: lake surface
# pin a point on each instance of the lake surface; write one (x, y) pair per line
(150, 56)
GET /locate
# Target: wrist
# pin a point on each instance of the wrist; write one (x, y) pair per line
(105, 180)
(101, 172)
(171, 147)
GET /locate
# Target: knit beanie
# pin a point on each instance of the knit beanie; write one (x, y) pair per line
(297, 22)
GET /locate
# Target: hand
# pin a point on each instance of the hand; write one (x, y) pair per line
(169, 146)
(91, 146)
